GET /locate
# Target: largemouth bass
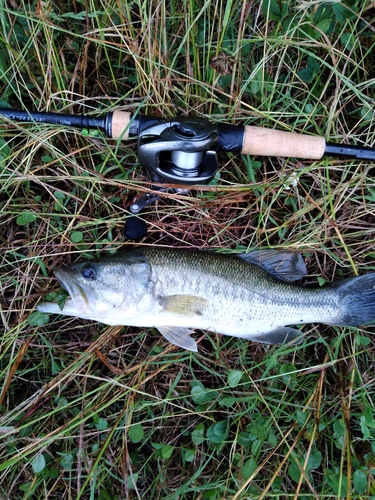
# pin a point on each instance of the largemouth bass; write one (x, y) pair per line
(177, 291)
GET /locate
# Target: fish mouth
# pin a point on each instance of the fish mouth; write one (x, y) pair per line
(78, 298)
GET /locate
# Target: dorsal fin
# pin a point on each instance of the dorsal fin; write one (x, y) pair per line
(284, 264)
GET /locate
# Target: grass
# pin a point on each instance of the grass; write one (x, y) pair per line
(90, 411)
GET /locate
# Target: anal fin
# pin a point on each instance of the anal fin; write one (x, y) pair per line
(284, 334)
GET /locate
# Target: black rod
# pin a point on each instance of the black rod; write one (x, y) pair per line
(230, 136)
(77, 121)
(346, 151)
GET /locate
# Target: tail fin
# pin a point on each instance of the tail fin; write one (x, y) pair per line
(357, 297)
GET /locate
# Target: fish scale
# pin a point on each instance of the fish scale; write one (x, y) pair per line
(253, 293)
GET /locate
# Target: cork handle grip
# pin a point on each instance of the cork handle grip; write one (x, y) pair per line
(120, 124)
(261, 141)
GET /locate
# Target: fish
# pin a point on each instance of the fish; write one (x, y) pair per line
(251, 295)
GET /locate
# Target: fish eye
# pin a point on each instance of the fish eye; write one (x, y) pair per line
(88, 271)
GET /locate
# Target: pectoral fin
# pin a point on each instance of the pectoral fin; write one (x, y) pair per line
(180, 336)
(184, 305)
(284, 264)
(284, 334)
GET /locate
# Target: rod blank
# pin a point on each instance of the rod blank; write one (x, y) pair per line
(77, 121)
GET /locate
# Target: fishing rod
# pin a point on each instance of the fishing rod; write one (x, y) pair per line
(183, 150)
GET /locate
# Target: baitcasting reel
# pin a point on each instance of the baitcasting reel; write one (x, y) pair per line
(181, 151)
(178, 151)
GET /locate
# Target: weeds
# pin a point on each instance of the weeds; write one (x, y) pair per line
(89, 411)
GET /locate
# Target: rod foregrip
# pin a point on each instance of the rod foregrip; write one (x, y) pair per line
(259, 141)
(120, 124)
